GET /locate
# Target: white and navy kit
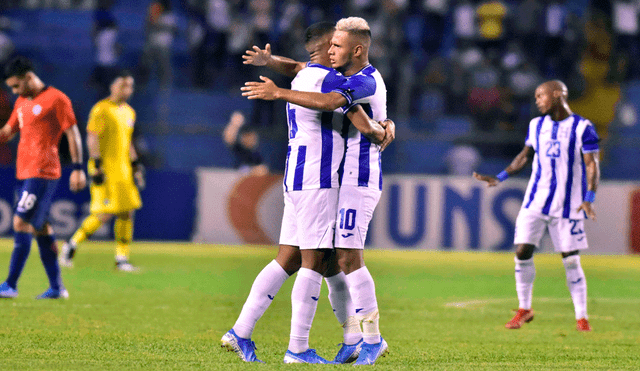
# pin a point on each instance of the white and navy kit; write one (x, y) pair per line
(362, 160)
(315, 145)
(361, 174)
(314, 155)
(558, 182)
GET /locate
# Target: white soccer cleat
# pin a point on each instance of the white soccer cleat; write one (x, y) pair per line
(125, 266)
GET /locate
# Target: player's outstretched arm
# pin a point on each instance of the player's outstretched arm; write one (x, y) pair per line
(592, 168)
(230, 133)
(78, 179)
(367, 126)
(518, 163)
(263, 57)
(268, 90)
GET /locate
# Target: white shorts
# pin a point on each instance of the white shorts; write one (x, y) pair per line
(355, 210)
(309, 218)
(566, 234)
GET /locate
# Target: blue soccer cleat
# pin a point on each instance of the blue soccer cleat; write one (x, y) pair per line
(371, 352)
(308, 356)
(7, 291)
(244, 348)
(348, 353)
(54, 294)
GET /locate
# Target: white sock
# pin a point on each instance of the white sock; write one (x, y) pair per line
(264, 289)
(363, 294)
(343, 308)
(577, 284)
(525, 274)
(304, 301)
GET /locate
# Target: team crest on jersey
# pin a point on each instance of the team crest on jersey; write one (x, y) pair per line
(36, 109)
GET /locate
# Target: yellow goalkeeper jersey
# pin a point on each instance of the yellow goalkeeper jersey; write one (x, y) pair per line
(113, 125)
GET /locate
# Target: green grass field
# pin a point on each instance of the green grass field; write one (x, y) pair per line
(439, 311)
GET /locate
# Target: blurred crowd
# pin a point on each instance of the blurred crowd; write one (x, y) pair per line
(478, 58)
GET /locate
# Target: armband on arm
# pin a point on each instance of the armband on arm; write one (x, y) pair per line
(590, 196)
(502, 176)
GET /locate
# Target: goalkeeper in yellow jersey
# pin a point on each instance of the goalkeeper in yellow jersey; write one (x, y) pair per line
(116, 174)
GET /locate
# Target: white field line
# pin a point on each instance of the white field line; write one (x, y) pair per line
(483, 302)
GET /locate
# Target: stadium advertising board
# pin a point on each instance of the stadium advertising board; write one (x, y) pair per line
(415, 212)
(168, 210)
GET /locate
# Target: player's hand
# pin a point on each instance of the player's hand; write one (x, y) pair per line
(139, 175)
(389, 133)
(77, 180)
(97, 177)
(265, 90)
(491, 180)
(257, 56)
(587, 207)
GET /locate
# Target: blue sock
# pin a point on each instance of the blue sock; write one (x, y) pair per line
(21, 249)
(49, 256)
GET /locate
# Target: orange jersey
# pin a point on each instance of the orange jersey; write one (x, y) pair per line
(41, 122)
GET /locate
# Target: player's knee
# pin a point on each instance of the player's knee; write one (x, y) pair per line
(524, 252)
(19, 225)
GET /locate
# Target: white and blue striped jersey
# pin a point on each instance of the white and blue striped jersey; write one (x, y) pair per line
(363, 160)
(315, 147)
(558, 178)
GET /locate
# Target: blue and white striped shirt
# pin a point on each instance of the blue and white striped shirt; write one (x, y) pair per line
(362, 162)
(558, 178)
(315, 147)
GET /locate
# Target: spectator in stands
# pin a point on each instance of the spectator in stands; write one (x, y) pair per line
(462, 159)
(491, 16)
(161, 27)
(6, 45)
(626, 28)
(484, 99)
(527, 16)
(243, 142)
(107, 49)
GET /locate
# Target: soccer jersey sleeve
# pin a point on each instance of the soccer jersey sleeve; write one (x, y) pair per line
(590, 139)
(356, 87)
(97, 119)
(64, 113)
(13, 121)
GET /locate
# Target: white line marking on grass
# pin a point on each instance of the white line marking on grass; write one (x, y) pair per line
(483, 302)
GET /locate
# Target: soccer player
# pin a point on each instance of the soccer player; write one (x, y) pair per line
(115, 171)
(42, 114)
(311, 196)
(361, 182)
(564, 149)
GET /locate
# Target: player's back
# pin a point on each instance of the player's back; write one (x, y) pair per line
(113, 125)
(362, 163)
(315, 145)
(41, 121)
(558, 179)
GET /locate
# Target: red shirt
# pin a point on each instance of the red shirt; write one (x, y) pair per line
(41, 122)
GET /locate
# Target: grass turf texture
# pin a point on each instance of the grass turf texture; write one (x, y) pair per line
(439, 311)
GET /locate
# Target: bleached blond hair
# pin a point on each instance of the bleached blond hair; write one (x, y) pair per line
(357, 27)
(353, 24)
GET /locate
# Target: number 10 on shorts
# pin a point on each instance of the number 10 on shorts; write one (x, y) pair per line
(347, 218)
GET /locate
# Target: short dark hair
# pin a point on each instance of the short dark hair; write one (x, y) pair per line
(124, 73)
(18, 66)
(317, 30)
